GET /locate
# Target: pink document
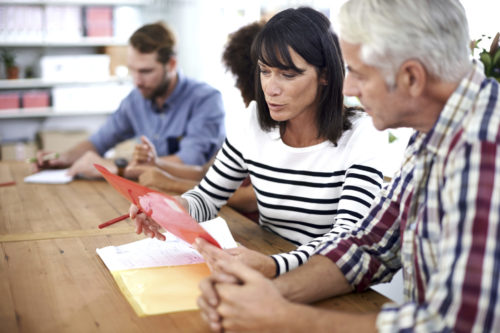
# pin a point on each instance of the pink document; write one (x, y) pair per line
(162, 208)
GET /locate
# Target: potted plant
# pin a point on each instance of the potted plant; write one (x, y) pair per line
(9, 61)
(490, 58)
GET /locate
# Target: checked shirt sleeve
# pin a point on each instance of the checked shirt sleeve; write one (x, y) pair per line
(463, 294)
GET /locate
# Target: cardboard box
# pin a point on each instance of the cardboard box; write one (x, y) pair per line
(117, 58)
(60, 141)
(18, 151)
(124, 149)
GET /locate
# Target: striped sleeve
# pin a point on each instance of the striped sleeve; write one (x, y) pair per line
(370, 253)
(361, 186)
(221, 180)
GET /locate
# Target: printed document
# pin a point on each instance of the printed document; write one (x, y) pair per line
(162, 276)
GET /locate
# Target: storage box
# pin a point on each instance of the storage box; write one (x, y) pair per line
(124, 149)
(36, 99)
(76, 68)
(18, 151)
(98, 21)
(104, 97)
(9, 100)
(60, 141)
(117, 58)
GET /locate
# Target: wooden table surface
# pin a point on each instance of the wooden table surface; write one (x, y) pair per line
(52, 280)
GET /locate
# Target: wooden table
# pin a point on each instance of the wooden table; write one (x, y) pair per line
(51, 279)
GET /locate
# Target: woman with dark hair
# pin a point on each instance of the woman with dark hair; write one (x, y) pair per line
(314, 164)
(237, 58)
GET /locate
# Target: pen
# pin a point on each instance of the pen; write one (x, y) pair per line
(44, 158)
(116, 219)
(8, 183)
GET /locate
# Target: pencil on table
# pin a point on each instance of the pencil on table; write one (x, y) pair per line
(44, 158)
(113, 221)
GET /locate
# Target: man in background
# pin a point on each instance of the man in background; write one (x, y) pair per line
(179, 178)
(439, 220)
(182, 118)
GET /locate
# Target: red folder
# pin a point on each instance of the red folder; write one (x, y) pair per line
(162, 208)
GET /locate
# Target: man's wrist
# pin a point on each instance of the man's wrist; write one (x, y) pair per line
(121, 165)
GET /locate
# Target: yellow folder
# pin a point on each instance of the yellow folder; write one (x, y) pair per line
(158, 290)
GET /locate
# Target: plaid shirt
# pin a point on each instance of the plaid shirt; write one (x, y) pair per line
(439, 221)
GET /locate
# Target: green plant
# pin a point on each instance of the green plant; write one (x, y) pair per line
(490, 58)
(392, 137)
(9, 58)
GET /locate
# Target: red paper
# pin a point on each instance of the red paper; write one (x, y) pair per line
(162, 208)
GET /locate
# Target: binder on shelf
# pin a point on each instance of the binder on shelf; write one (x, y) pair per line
(63, 23)
(10, 100)
(36, 99)
(98, 21)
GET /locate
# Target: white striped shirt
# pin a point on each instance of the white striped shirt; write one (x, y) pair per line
(304, 194)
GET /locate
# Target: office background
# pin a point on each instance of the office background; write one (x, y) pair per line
(70, 56)
(71, 73)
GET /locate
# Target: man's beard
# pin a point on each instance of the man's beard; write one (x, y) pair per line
(160, 90)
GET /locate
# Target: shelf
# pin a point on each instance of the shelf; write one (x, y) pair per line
(47, 113)
(40, 83)
(82, 42)
(77, 2)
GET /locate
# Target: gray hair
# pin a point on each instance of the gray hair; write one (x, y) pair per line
(433, 32)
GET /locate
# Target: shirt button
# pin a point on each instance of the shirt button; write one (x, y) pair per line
(156, 136)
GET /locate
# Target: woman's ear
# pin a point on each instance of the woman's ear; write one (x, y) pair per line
(322, 78)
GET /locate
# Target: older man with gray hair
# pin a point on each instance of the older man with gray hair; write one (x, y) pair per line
(408, 63)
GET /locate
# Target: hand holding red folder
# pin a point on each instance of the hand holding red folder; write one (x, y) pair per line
(160, 207)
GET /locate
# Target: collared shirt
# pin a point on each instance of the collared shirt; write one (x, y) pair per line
(438, 220)
(190, 124)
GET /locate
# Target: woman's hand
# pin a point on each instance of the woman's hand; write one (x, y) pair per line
(144, 224)
(256, 260)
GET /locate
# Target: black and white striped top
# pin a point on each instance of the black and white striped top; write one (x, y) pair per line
(304, 194)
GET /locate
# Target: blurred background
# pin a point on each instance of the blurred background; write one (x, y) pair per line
(63, 70)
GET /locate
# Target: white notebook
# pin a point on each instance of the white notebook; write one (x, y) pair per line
(58, 176)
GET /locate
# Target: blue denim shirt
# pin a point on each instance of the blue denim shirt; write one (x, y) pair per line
(190, 124)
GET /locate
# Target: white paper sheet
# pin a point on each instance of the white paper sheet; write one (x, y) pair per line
(155, 253)
(58, 176)
(218, 229)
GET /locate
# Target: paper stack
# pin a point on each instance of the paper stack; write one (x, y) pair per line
(162, 276)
